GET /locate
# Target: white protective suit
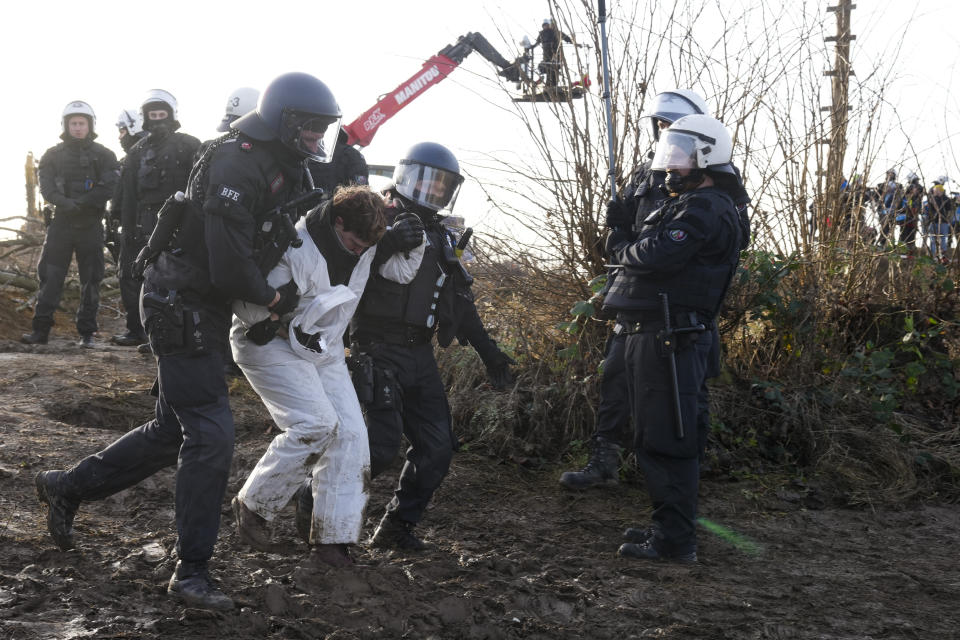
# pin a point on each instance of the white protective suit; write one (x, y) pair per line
(310, 395)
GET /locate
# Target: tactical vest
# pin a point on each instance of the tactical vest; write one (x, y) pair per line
(163, 168)
(700, 285)
(416, 304)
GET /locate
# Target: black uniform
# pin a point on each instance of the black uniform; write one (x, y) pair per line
(395, 324)
(549, 39)
(347, 167)
(154, 169)
(77, 177)
(211, 262)
(689, 250)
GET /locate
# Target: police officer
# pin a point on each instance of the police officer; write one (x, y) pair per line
(77, 177)
(676, 268)
(395, 324)
(153, 169)
(130, 128)
(186, 300)
(348, 167)
(644, 194)
(549, 39)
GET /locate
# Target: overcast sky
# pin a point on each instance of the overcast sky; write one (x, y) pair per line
(110, 53)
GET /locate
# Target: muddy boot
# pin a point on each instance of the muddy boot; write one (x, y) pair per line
(333, 555)
(251, 527)
(129, 339)
(639, 535)
(60, 507)
(303, 499)
(602, 469)
(38, 336)
(646, 551)
(191, 584)
(394, 533)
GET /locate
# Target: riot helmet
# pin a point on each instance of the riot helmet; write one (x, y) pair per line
(78, 108)
(428, 177)
(298, 110)
(692, 147)
(241, 102)
(131, 121)
(159, 100)
(669, 106)
(548, 22)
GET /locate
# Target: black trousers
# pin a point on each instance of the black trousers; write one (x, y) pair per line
(130, 286)
(422, 415)
(670, 465)
(192, 429)
(59, 245)
(613, 414)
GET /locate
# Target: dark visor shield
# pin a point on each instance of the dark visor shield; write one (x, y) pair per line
(313, 136)
(675, 150)
(427, 186)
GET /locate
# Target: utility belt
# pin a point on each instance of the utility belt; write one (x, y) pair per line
(630, 322)
(407, 335)
(171, 327)
(376, 387)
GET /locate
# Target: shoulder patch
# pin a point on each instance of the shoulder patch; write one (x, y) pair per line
(246, 146)
(277, 183)
(677, 235)
(229, 193)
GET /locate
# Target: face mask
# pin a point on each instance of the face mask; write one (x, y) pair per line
(677, 184)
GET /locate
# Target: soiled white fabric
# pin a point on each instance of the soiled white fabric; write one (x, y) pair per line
(310, 395)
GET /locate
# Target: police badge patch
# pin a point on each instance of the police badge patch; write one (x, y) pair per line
(229, 193)
(677, 235)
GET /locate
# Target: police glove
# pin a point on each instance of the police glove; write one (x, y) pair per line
(68, 207)
(405, 234)
(262, 332)
(619, 215)
(288, 299)
(498, 370)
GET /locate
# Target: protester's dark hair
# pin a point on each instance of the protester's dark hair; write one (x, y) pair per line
(361, 210)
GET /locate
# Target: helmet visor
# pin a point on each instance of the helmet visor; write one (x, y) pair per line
(676, 150)
(429, 187)
(312, 136)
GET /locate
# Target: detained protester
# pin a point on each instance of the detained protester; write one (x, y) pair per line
(296, 364)
(676, 271)
(206, 251)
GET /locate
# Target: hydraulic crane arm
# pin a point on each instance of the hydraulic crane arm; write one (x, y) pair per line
(360, 132)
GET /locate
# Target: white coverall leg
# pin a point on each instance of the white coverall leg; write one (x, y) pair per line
(324, 437)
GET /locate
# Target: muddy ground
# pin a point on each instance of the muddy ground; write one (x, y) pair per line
(514, 555)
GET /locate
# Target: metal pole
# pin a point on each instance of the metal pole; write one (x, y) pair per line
(602, 21)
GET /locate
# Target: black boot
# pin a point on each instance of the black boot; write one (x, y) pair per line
(86, 341)
(60, 507)
(646, 551)
(602, 469)
(252, 528)
(191, 584)
(129, 339)
(38, 336)
(303, 499)
(394, 533)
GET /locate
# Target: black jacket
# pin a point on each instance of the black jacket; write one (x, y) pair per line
(78, 177)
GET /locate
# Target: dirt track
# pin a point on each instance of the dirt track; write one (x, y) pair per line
(514, 556)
